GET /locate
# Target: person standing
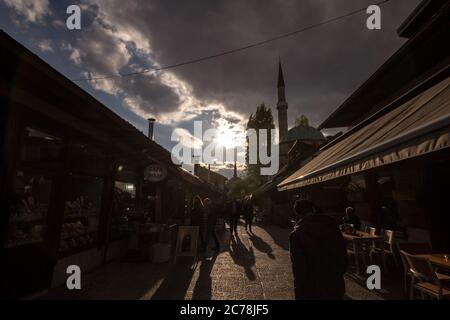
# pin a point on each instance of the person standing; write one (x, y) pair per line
(350, 217)
(248, 215)
(234, 211)
(197, 218)
(318, 255)
(211, 221)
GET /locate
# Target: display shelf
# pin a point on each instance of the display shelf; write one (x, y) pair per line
(78, 235)
(22, 243)
(29, 219)
(81, 216)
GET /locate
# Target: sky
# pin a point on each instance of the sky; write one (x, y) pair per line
(322, 66)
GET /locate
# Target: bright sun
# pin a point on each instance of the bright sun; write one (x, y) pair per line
(226, 138)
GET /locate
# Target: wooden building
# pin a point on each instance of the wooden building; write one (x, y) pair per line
(72, 174)
(392, 164)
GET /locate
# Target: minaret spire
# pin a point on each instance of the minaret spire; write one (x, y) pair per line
(280, 74)
(282, 107)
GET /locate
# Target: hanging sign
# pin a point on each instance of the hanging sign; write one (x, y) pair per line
(155, 173)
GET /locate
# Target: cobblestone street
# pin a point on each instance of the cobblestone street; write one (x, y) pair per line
(250, 266)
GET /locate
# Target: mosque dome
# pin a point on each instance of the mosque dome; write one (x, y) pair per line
(305, 133)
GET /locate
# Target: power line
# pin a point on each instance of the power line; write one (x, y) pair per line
(249, 46)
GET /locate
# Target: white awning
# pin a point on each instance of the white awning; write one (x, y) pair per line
(417, 127)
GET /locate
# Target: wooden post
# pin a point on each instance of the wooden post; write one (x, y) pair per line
(139, 171)
(158, 205)
(8, 166)
(107, 204)
(373, 197)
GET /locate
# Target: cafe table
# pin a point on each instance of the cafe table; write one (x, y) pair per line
(359, 239)
(438, 259)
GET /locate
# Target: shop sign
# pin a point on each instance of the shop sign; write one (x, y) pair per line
(155, 173)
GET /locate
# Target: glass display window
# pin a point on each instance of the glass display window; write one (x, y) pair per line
(123, 206)
(86, 158)
(40, 146)
(81, 213)
(28, 213)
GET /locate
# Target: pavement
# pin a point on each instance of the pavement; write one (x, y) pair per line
(249, 266)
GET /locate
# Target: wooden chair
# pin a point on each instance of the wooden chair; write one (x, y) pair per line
(371, 230)
(388, 247)
(411, 248)
(425, 279)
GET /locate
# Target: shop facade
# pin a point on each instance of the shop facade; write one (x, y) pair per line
(393, 168)
(391, 162)
(74, 176)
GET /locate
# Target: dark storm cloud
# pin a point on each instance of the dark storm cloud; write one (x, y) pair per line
(322, 66)
(155, 97)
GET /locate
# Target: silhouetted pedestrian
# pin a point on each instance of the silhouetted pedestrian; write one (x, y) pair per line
(211, 214)
(234, 212)
(318, 254)
(248, 214)
(350, 217)
(198, 217)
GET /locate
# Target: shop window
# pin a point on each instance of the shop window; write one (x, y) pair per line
(128, 189)
(389, 217)
(81, 213)
(123, 206)
(29, 209)
(356, 189)
(40, 146)
(86, 158)
(84, 152)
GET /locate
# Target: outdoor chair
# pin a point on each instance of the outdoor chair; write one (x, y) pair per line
(411, 248)
(361, 254)
(367, 247)
(388, 248)
(371, 230)
(425, 279)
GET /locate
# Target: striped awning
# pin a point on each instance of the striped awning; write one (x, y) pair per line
(415, 128)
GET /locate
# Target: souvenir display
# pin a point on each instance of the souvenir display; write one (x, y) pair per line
(81, 214)
(29, 209)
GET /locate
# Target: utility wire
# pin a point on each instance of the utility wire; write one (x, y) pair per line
(256, 44)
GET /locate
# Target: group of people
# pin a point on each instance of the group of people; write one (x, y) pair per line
(204, 214)
(317, 248)
(237, 208)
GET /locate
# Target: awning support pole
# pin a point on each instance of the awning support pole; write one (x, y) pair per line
(373, 197)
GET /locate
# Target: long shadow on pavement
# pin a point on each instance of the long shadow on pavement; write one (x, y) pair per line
(125, 281)
(176, 284)
(279, 235)
(243, 257)
(261, 245)
(203, 286)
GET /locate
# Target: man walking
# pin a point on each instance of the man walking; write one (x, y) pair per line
(211, 209)
(318, 254)
(248, 215)
(234, 211)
